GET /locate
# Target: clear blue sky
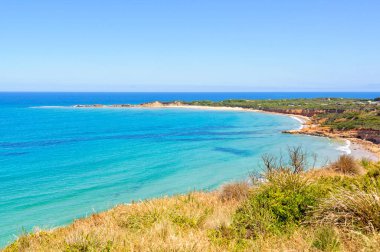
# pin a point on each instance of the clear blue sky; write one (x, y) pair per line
(194, 45)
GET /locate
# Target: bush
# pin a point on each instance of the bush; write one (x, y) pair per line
(326, 239)
(277, 206)
(234, 191)
(371, 180)
(365, 163)
(79, 242)
(353, 209)
(346, 165)
(253, 219)
(296, 157)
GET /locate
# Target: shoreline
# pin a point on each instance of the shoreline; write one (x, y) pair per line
(358, 148)
(352, 146)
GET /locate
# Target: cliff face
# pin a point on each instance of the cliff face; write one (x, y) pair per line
(304, 112)
(316, 128)
(370, 135)
(365, 134)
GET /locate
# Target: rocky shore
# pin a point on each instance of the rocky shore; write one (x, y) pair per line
(360, 147)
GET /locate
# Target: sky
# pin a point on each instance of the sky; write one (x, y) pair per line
(190, 45)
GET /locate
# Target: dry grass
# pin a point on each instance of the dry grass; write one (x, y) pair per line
(179, 223)
(315, 239)
(315, 174)
(347, 165)
(350, 209)
(234, 191)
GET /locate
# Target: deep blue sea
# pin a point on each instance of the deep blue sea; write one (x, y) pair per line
(61, 163)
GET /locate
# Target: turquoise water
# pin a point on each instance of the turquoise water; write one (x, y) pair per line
(58, 164)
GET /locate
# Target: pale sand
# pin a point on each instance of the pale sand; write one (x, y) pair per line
(359, 152)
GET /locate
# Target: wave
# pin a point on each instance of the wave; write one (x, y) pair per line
(345, 148)
(299, 120)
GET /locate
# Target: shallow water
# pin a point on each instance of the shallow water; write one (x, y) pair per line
(57, 164)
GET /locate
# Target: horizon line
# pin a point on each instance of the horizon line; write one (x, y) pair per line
(60, 91)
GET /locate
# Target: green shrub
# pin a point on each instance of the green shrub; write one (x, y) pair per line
(278, 205)
(227, 237)
(373, 169)
(373, 173)
(193, 221)
(365, 163)
(86, 242)
(253, 219)
(139, 220)
(326, 239)
(371, 180)
(366, 182)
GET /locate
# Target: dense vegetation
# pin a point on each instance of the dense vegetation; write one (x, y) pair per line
(285, 208)
(336, 113)
(351, 120)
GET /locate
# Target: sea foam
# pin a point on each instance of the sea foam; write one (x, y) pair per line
(345, 148)
(299, 120)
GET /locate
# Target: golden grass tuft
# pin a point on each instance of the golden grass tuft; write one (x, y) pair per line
(234, 191)
(347, 165)
(350, 209)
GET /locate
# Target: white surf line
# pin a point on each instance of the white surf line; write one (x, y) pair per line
(346, 148)
(302, 121)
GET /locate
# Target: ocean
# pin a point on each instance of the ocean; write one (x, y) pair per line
(58, 163)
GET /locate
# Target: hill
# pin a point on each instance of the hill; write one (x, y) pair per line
(336, 208)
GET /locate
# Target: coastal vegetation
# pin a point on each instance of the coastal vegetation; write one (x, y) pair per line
(289, 206)
(336, 113)
(332, 117)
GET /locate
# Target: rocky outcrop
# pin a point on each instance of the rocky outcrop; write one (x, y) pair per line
(303, 112)
(155, 104)
(158, 104)
(369, 135)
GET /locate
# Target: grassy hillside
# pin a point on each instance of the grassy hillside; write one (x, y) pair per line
(333, 209)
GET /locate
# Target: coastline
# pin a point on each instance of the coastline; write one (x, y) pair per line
(352, 146)
(358, 148)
